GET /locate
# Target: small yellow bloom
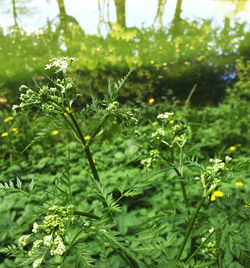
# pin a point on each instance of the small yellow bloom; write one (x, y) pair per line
(247, 204)
(55, 132)
(218, 194)
(87, 138)
(232, 148)
(5, 134)
(8, 119)
(212, 198)
(3, 100)
(151, 101)
(239, 183)
(171, 121)
(15, 130)
(154, 123)
(67, 109)
(239, 145)
(114, 122)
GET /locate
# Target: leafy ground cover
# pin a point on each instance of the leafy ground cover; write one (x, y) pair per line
(156, 184)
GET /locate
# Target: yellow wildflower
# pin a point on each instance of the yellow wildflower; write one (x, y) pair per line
(8, 119)
(239, 183)
(15, 130)
(87, 138)
(247, 204)
(55, 132)
(154, 123)
(5, 134)
(218, 194)
(171, 121)
(232, 148)
(212, 198)
(3, 100)
(67, 109)
(151, 101)
(114, 122)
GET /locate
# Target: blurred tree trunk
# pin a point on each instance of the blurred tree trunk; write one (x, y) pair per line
(69, 29)
(14, 12)
(61, 7)
(176, 26)
(177, 13)
(160, 12)
(120, 12)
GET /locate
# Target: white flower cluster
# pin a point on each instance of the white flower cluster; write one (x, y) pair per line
(58, 247)
(23, 240)
(48, 240)
(158, 133)
(62, 63)
(164, 116)
(35, 228)
(209, 177)
(217, 165)
(154, 154)
(113, 107)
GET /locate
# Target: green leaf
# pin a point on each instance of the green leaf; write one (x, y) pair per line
(18, 183)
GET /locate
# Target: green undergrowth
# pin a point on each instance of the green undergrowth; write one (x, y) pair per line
(144, 209)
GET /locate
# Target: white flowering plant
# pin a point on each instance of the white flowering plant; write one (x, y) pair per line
(153, 201)
(61, 233)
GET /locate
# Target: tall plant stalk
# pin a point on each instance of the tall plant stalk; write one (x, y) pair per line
(190, 227)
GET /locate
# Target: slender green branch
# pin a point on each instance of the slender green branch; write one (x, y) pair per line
(121, 251)
(184, 193)
(86, 214)
(86, 149)
(190, 227)
(201, 245)
(71, 125)
(179, 173)
(97, 130)
(183, 187)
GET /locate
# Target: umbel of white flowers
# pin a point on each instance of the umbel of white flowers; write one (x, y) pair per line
(61, 64)
(164, 116)
(50, 99)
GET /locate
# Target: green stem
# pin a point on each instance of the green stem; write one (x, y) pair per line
(196, 251)
(86, 149)
(71, 125)
(184, 193)
(97, 130)
(183, 188)
(180, 174)
(190, 227)
(85, 214)
(120, 251)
